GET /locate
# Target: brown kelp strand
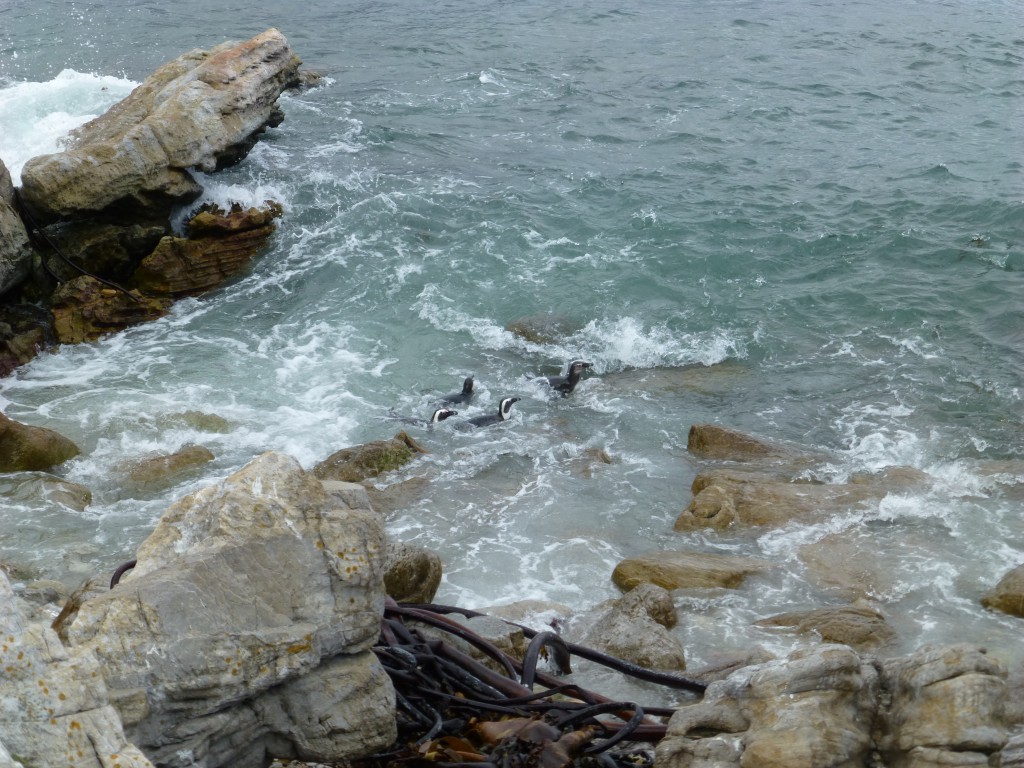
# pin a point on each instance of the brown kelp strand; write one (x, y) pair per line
(454, 709)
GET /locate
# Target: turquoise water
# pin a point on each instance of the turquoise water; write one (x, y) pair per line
(800, 220)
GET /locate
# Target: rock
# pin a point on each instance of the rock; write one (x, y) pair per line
(26, 448)
(164, 469)
(31, 486)
(724, 498)
(685, 570)
(542, 329)
(636, 627)
(246, 624)
(360, 462)
(710, 441)
(814, 708)
(84, 309)
(203, 110)
(858, 626)
(848, 565)
(538, 615)
(396, 496)
(1008, 595)
(219, 246)
(16, 252)
(946, 708)
(111, 249)
(411, 574)
(56, 708)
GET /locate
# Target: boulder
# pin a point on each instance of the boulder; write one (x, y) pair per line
(166, 468)
(815, 708)
(685, 570)
(245, 626)
(636, 627)
(203, 110)
(710, 441)
(27, 448)
(85, 308)
(411, 574)
(859, 626)
(56, 706)
(1008, 595)
(16, 253)
(218, 247)
(360, 462)
(947, 708)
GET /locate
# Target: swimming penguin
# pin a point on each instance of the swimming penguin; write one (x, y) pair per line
(566, 384)
(436, 418)
(504, 409)
(460, 397)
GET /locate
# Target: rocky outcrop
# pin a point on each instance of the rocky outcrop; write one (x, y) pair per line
(56, 707)
(205, 110)
(100, 212)
(685, 570)
(1008, 595)
(245, 625)
(28, 448)
(825, 706)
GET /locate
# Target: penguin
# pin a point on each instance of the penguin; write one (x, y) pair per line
(460, 397)
(566, 384)
(436, 418)
(504, 409)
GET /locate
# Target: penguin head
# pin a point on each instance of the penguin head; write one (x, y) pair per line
(505, 408)
(577, 367)
(441, 414)
(467, 386)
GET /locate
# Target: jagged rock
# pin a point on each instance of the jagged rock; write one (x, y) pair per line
(1008, 595)
(157, 470)
(56, 707)
(16, 251)
(246, 624)
(411, 574)
(858, 626)
(815, 708)
(28, 448)
(636, 627)
(218, 247)
(84, 309)
(203, 110)
(111, 249)
(360, 462)
(685, 570)
(947, 708)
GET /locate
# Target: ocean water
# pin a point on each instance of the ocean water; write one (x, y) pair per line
(802, 220)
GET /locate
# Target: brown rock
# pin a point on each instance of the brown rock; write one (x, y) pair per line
(541, 329)
(84, 309)
(1008, 595)
(711, 441)
(685, 570)
(156, 470)
(858, 626)
(847, 565)
(27, 448)
(219, 247)
(15, 248)
(351, 465)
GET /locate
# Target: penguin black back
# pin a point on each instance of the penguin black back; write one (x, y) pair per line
(460, 397)
(566, 384)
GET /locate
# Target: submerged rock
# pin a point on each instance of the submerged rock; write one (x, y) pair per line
(351, 465)
(685, 570)
(27, 448)
(858, 626)
(164, 469)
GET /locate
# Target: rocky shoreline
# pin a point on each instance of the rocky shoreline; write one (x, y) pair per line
(244, 631)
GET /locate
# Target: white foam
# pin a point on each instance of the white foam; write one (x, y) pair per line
(36, 117)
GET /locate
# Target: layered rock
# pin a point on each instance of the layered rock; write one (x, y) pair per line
(245, 625)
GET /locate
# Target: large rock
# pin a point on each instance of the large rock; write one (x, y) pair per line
(28, 448)
(15, 249)
(1008, 595)
(685, 570)
(859, 626)
(245, 626)
(56, 709)
(203, 110)
(812, 709)
(947, 708)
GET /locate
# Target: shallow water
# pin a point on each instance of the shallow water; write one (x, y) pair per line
(802, 221)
